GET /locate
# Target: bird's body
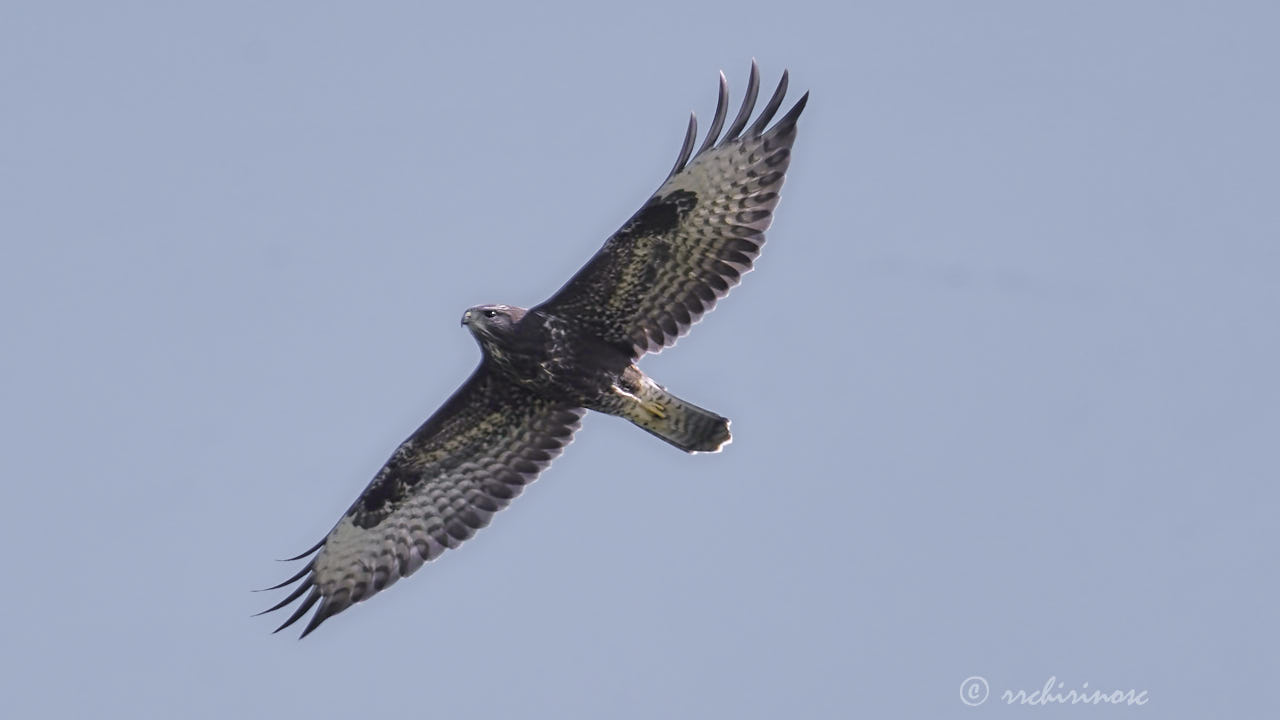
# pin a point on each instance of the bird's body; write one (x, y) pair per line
(554, 358)
(545, 353)
(542, 368)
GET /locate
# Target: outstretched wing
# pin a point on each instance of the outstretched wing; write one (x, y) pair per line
(468, 461)
(695, 238)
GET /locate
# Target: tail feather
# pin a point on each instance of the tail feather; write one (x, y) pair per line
(679, 422)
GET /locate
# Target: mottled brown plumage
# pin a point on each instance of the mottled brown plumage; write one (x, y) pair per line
(542, 368)
(693, 240)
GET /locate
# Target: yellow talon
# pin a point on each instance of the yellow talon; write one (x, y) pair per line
(654, 409)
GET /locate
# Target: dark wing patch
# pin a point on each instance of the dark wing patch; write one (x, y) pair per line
(660, 216)
(468, 461)
(694, 239)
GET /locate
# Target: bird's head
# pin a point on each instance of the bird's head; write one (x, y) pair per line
(492, 324)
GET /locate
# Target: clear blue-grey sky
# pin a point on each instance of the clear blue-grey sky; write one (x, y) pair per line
(1004, 385)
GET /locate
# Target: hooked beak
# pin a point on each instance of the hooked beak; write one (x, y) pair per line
(466, 317)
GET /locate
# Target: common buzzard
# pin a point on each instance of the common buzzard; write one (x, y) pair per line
(542, 368)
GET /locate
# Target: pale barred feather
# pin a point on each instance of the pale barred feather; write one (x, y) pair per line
(441, 485)
(695, 237)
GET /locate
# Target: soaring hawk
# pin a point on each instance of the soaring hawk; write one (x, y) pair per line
(542, 368)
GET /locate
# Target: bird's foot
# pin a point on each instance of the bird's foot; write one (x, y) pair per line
(655, 409)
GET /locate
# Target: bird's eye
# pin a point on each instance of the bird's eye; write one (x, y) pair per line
(490, 313)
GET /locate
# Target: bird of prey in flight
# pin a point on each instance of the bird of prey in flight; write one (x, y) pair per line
(543, 367)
